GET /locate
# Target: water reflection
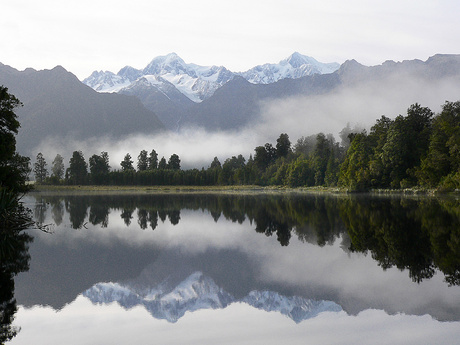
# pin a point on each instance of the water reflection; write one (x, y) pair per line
(297, 251)
(14, 258)
(420, 235)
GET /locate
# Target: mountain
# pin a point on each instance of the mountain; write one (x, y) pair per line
(193, 81)
(187, 95)
(57, 104)
(200, 82)
(159, 94)
(294, 67)
(172, 88)
(239, 103)
(197, 292)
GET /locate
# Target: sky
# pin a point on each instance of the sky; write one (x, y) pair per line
(87, 35)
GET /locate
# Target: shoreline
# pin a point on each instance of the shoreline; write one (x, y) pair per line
(236, 189)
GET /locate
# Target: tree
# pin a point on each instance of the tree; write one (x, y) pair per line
(407, 142)
(57, 169)
(14, 217)
(15, 173)
(283, 145)
(153, 160)
(14, 169)
(162, 165)
(142, 161)
(9, 124)
(77, 173)
(354, 171)
(174, 162)
(305, 146)
(215, 163)
(377, 139)
(127, 163)
(40, 171)
(443, 156)
(99, 168)
(264, 156)
(321, 157)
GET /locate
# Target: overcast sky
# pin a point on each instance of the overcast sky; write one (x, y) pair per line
(88, 35)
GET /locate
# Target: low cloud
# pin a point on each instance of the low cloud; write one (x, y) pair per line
(195, 147)
(359, 105)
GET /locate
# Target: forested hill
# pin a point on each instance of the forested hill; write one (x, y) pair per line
(56, 103)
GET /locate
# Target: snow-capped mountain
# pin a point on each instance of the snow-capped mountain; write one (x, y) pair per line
(195, 82)
(294, 67)
(201, 292)
(106, 81)
(200, 82)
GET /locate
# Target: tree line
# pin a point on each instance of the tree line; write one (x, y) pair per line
(420, 149)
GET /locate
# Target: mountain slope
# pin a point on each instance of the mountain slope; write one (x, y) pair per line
(56, 103)
(200, 292)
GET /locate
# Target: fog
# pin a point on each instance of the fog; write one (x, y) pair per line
(196, 147)
(359, 105)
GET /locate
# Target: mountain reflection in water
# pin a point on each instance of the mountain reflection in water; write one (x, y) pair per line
(290, 253)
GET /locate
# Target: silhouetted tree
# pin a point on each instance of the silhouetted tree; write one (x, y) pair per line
(99, 168)
(142, 161)
(14, 169)
(174, 162)
(162, 164)
(127, 163)
(77, 173)
(153, 160)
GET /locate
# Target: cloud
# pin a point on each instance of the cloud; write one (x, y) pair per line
(236, 324)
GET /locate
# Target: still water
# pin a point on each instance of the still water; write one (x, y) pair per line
(240, 269)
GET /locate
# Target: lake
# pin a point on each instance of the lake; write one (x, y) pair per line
(255, 268)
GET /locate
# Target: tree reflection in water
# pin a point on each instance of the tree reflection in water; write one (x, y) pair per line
(14, 257)
(417, 234)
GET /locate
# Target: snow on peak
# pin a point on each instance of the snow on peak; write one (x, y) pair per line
(293, 67)
(295, 307)
(199, 291)
(106, 81)
(170, 63)
(200, 82)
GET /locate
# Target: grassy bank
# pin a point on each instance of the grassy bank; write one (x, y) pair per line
(179, 189)
(246, 189)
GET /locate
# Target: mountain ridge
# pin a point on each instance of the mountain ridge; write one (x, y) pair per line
(199, 83)
(55, 102)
